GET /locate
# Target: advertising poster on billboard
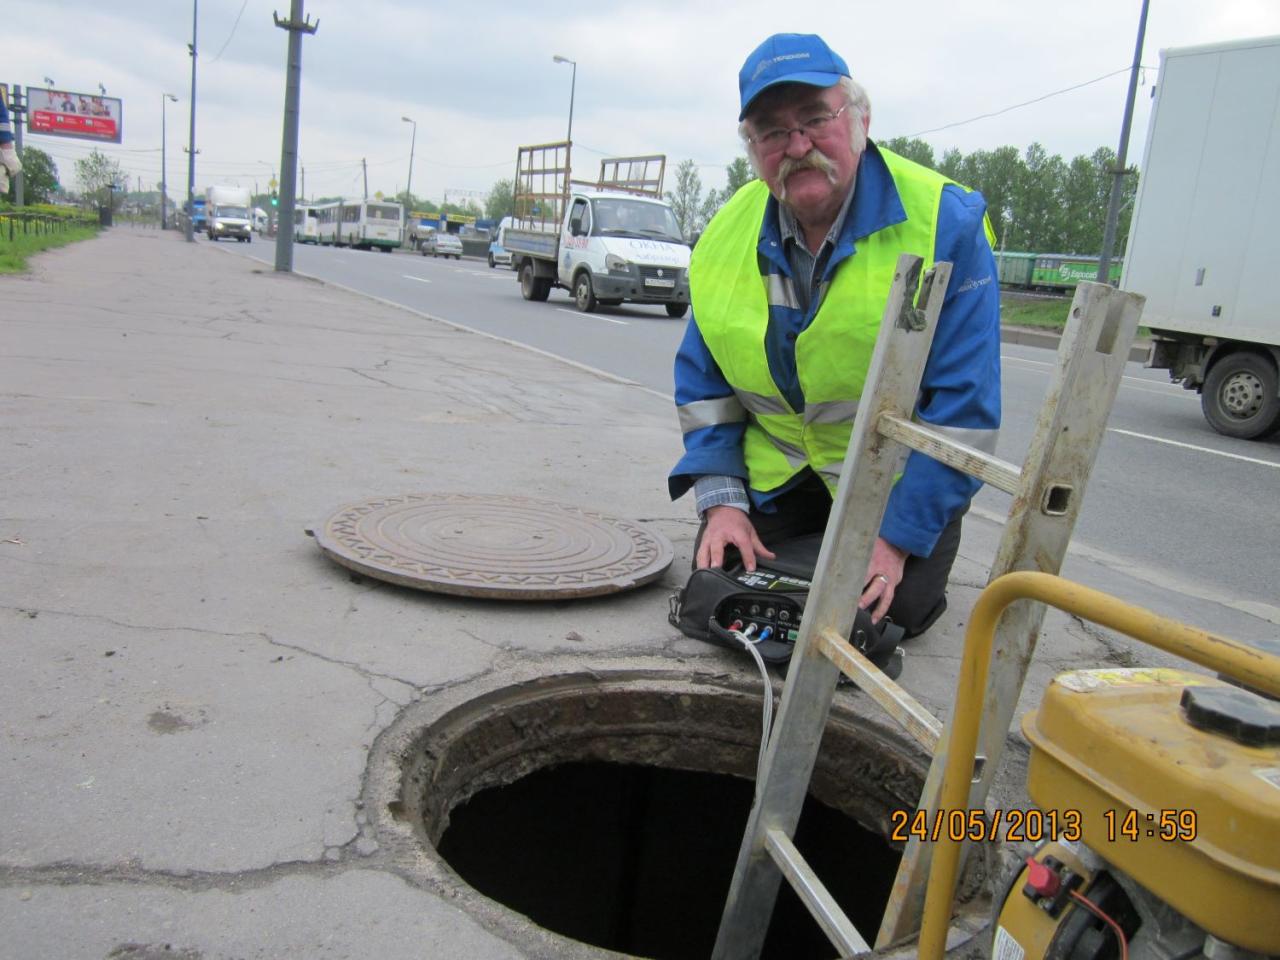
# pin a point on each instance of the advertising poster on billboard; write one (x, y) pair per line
(59, 113)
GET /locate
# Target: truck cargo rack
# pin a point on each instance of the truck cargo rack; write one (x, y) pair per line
(641, 175)
(541, 185)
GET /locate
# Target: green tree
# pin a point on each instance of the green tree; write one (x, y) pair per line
(737, 175)
(687, 201)
(501, 200)
(912, 149)
(99, 177)
(949, 165)
(1038, 213)
(39, 177)
(1085, 194)
(996, 174)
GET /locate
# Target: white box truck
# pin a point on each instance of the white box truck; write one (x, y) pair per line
(1205, 239)
(605, 242)
(227, 213)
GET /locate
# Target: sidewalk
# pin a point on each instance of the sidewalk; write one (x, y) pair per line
(190, 691)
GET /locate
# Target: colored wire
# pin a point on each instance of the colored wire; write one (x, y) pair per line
(1097, 912)
(766, 722)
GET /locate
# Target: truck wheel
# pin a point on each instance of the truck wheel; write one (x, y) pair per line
(1239, 396)
(677, 310)
(491, 261)
(583, 296)
(531, 287)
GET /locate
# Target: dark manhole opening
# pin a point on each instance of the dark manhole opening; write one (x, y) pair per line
(609, 808)
(638, 859)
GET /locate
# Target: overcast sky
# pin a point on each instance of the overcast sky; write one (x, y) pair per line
(652, 77)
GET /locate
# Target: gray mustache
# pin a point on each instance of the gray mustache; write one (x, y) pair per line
(813, 160)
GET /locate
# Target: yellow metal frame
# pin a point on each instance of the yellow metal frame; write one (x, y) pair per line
(1256, 668)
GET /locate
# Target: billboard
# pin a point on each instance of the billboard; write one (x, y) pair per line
(59, 113)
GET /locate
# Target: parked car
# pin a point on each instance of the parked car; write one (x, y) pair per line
(442, 245)
(498, 254)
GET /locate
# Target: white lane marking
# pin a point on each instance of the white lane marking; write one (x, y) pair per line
(1162, 391)
(419, 279)
(593, 316)
(1192, 446)
(1157, 577)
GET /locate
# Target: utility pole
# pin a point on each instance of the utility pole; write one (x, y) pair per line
(164, 187)
(191, 149)
(1117, 184)
(297, 25)
(17, 108)
(364, 166)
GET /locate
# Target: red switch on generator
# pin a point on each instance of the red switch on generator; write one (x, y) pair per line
(1042, 879)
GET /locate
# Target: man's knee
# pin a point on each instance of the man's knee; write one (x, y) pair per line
(921, 597)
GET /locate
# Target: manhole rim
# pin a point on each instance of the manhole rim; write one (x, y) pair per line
(419, 861)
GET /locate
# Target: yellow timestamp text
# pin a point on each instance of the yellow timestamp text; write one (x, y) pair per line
(979, 826)
(1168, 825)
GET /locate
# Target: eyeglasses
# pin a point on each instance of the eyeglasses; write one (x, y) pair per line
(815, 128)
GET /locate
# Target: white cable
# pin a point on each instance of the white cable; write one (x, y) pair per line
(767, 718)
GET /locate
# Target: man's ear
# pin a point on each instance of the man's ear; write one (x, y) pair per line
(866, 122)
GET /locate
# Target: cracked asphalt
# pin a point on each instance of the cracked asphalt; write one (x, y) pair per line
(190, 691)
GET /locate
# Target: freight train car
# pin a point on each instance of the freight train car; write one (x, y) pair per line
(1048, 271)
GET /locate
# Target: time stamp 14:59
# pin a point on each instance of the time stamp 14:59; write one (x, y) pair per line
(1035, 826)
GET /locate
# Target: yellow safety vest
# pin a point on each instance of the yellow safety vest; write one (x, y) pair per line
(731, 308)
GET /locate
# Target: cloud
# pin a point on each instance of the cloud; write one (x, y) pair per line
(655, 78)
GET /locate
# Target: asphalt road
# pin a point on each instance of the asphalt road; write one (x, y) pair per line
(1170, 502)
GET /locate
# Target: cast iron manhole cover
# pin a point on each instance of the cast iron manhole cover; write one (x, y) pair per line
(512, 548)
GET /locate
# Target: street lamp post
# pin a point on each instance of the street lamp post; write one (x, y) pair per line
(164, 192)
(191, 149)
(573, 83)
(271, 186)
(408, 190)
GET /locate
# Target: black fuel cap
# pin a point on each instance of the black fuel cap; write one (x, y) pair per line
(1245, 717)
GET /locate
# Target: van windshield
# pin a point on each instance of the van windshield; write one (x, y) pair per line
(233, 213)
(634, 218)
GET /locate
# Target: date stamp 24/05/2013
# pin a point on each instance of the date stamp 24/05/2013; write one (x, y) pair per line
(1035, 826)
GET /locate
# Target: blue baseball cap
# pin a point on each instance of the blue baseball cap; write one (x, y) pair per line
(789, 58)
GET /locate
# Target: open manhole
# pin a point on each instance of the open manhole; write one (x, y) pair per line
(609, 809)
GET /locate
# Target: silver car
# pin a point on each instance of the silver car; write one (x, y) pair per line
(442, 245)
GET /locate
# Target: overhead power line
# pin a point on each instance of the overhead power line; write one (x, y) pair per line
(233, 32)
(1025, 103)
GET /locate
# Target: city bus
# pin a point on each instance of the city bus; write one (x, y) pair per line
(361, 224)
(306, 225)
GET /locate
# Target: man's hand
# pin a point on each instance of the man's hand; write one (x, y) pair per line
(884, 573)
(9, 158)
(729, 525)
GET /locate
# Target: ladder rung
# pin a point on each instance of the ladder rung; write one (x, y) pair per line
(906, 709)
(839, 930)
(991, 470)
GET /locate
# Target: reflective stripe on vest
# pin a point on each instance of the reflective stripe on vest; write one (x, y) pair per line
(833, 353)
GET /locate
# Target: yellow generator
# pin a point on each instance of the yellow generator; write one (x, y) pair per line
(1162, 788)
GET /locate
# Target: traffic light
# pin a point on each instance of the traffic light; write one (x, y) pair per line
(275, 201)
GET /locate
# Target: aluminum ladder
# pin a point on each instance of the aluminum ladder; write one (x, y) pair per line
(1047, 493)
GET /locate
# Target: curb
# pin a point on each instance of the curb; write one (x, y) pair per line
(1030, 337)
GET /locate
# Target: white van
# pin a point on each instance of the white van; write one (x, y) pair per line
(227, 214)
(498, 252)
(612, 247)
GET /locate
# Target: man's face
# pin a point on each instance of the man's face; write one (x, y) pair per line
(810, 173)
